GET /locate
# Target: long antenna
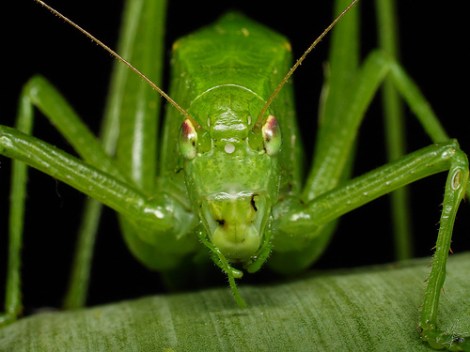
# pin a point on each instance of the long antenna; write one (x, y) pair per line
(120, 58)
(297, 64)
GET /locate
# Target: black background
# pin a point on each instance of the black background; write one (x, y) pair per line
(33, 41)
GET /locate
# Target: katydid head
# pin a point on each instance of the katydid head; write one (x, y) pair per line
(232, 179)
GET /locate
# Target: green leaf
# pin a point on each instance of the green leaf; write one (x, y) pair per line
(368, 309)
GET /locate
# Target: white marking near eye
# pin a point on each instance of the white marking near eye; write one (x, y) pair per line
(229, 148)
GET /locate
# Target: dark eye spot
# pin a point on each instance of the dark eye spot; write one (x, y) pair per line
(221, 222)
(253, 203)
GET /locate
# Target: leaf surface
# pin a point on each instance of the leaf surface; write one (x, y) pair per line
(367, 309)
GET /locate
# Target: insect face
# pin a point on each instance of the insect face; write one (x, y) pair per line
(231, 196)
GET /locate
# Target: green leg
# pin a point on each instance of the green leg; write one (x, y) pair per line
(159, 213)
(156, 215)
(342, 133)
(340, 118)
(456, 183)
(40, 93)
(13, 305)
(340, 76)
(333, 160)
(141, 42)
(336, 114)
(383, 180)
(355, 193)
(79, 280)
(106, 184)
(394, 128)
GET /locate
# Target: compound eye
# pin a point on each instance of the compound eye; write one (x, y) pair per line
(188, 140)
(271, 135)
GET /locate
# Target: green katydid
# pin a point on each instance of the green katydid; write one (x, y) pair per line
(250, 134)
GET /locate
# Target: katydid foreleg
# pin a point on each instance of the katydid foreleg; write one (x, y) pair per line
(104, 177)
(328, 206)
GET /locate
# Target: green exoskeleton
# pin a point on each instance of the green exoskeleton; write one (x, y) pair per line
(228, 183)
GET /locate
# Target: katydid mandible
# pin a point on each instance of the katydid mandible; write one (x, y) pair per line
(255, 203)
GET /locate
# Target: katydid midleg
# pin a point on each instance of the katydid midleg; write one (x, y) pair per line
(252, 201)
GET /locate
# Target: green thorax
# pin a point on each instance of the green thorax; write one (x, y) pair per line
(232, 66)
